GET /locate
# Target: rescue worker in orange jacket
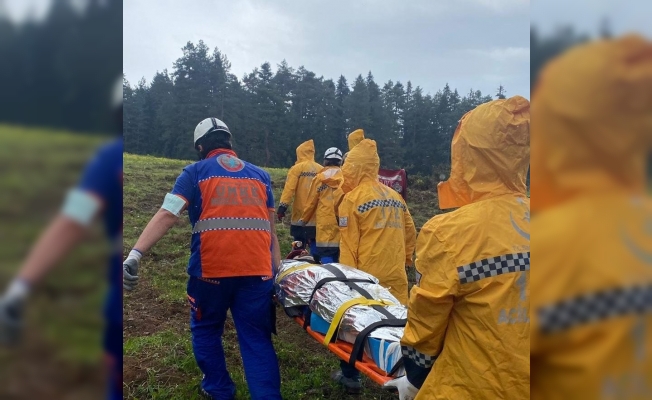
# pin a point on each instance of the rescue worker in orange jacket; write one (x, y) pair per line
(325, 192)
(592, 281)
(468, 330)
(229, 202)
(295, 193)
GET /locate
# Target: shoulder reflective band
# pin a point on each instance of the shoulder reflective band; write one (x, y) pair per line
(81, 206)
(359, 301)
(173, 204)
(294, 269)
(243, 224)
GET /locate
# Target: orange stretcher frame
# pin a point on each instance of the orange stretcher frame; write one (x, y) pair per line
(343, 350)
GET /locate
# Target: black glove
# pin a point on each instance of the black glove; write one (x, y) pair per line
(280, 213)
(11, 319)
(272, 311)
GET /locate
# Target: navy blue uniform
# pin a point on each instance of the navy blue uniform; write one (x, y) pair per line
(103, 179)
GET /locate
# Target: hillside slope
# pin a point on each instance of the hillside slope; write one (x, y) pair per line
(61, 353)
(158, 356)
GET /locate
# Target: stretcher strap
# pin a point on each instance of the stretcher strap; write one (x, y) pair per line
(294, 269)
(358, 345)
(337, 318)
(351, 284)
(307, 314)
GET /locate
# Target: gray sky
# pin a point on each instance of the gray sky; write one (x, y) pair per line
(585, 16)
(477, 44)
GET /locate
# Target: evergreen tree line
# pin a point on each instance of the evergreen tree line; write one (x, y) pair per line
(60, 72)
(270, 112)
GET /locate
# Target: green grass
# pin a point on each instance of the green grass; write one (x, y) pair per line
(63, 335)
(158, 356)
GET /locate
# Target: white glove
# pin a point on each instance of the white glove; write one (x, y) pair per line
(301, 223)
(11, 312)
(406, 390)
(130, 270)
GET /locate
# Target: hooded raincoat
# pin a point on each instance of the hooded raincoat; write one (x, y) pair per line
(297, 188)
(468, 329)
(355, 137)
(378, 234)
(592, 281)
(325, 192)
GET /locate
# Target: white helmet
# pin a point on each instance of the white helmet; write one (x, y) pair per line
(333, 154)
(210, 125)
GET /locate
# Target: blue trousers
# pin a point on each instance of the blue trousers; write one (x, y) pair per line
(113, 359)
(328, 260)
(250, 302)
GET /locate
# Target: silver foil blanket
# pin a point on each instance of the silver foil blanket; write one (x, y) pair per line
(296, 287)
(328, 299)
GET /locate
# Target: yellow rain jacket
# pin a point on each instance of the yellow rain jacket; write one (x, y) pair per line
(468, 329)
(325, 192)
(591, 134)
(378, 234)
(297, 184)
(355, 137)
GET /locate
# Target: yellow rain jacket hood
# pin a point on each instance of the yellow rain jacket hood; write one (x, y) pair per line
(468, 330)
(355, 137)
(299, 179)
(591, 131)
(377, 231)
(590, 125)
(361, 165)
(481, 168)
(325, 193)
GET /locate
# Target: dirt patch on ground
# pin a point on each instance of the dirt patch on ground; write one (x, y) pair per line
(146, 315)
(29, 372)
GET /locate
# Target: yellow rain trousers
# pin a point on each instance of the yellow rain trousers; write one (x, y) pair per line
(468, 329)
(325, 192)
(591, 134)
(297, 184)
(377, 231)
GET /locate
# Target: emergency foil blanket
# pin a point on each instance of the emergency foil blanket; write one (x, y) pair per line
(296, 282)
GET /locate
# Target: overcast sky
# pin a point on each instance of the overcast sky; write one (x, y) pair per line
(624, 16)
(477, 44)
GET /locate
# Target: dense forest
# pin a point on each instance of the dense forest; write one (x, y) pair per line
(59, 71)
(271, 110)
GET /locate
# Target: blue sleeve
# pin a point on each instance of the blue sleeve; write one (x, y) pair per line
(101, 174)
(270, 193)
(184, 186)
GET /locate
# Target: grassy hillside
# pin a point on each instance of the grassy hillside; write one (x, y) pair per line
(61, 353)
(158, 356)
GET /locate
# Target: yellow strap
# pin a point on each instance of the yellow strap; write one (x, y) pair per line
(294, 269)
(345, 306)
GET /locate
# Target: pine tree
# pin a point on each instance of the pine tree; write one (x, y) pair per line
(270, 113)
(501, 92)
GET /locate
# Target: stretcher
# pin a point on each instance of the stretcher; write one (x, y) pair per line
(340, 348)
(343, 351)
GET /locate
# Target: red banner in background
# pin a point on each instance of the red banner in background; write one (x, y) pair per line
(394, 178)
